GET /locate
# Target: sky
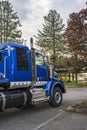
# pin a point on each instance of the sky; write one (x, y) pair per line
(31, 12)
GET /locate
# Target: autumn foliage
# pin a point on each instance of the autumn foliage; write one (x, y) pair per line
(76, 40)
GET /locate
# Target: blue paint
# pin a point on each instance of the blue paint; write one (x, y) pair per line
(42, 72)
(10, 72)
(50, 85)
(10, 69)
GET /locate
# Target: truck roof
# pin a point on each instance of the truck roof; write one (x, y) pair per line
(5, 45)
(12, 44)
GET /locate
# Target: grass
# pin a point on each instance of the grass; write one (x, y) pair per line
(82, 84)
(73, 84)
(79, 84)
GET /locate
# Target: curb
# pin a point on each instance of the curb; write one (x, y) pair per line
(76, 86)
(78, 108)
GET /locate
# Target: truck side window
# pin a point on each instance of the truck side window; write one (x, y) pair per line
(22, 59)
(0, 56)
(39, 60)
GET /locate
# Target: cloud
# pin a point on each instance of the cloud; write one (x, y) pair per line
(31, 12)
(38, 9)
(21, 7)
(65, 7)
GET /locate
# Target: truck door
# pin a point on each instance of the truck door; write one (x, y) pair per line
(41, 68)
(22, 65)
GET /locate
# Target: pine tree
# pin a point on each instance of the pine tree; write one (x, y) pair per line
(9, 23)
(50, 38)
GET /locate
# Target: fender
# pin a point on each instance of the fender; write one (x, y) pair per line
(51, 84)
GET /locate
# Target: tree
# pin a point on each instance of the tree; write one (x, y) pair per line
(76, 40)
(50, 38)
(9, 23)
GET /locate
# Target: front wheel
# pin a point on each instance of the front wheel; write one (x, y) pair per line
(56, 98)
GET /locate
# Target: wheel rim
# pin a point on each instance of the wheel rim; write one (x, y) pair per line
(57, 97)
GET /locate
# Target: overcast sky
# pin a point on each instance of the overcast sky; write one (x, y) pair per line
(31, 12)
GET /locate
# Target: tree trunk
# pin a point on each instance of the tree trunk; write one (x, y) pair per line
(65, 77)
(72, 77)
(69, 77)
(76, 77)
(54, 51)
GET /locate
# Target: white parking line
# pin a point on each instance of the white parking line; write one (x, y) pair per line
(43, 124)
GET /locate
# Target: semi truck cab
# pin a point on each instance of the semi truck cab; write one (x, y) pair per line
(25, 78)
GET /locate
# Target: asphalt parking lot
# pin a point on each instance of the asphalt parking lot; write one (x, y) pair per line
(44, 117)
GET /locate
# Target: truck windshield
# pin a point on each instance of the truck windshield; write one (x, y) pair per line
(0, 56)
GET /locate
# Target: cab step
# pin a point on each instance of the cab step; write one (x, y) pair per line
(38, 95)
(39, 100)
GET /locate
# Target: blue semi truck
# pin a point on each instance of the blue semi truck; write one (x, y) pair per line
(26, 79)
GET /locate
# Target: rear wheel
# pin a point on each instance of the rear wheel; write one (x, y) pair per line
(56, 98)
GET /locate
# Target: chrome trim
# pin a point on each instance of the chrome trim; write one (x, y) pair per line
(38, 83)
(5, 58)
(25, 97)
(4, 101)
(26, 84)
(19, 84)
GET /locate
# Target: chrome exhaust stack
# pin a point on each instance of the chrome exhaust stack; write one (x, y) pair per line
(33, 62)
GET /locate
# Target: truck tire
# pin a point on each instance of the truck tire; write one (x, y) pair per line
(56, 98)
